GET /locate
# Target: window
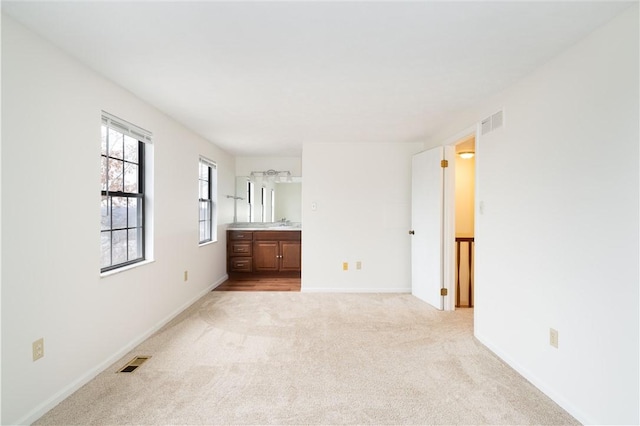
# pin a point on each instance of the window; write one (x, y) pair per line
(207, 182)
(250, 202)
(273, 205)
(122, 233)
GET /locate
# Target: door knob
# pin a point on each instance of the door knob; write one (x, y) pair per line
(412, 232)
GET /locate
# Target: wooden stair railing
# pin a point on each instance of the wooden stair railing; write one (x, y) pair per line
(470, 242)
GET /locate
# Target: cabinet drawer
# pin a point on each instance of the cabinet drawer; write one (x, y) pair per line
(278, 236)
(242, 248)
(241, 264)
(241, 235)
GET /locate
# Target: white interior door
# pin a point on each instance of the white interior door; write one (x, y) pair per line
(427, 226)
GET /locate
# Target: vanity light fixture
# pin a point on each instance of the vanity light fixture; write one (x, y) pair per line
(466, 154)
(274, 175)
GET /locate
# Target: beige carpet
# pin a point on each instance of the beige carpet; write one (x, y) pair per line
(302, 358)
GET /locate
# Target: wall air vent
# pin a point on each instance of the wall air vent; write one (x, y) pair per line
(496, 120)
(132, 365)
(486, 126)
(492, 123)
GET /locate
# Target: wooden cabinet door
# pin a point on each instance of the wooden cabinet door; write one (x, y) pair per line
(290, 256)
(266, 256)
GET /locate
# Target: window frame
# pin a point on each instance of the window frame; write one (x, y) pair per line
(250, 200)
(125, 129)
(273, 205)
(212, 172)
(263, 205)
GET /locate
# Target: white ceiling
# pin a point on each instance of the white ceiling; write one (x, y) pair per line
(261, 78)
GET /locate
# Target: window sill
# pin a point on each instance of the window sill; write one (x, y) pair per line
(125, 268)
(207, 243)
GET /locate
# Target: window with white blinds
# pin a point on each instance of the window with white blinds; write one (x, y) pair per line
(122, 231)
(207, 200)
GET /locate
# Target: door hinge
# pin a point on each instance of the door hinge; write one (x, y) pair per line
(444, 163)
(443, 292)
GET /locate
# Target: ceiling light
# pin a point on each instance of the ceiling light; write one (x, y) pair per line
(466, 154)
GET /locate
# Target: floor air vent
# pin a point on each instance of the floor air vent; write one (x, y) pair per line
(132, 365)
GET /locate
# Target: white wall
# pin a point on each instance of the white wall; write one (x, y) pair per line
(51, 285)
(557, 245)
(465, 196)
(363, 197)
(465, 210)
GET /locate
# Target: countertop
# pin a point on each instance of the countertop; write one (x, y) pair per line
(264, 228)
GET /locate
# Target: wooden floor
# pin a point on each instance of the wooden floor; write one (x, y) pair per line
(260, 283)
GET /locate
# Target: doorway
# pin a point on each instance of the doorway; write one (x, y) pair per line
(441, 274)
(465, 149)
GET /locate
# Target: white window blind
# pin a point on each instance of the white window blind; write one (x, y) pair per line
(127, 128)
(208, 163)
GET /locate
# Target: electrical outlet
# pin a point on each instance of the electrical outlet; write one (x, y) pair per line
(553, 337)
(345, 266)
(38, 349)
(186, 276)
(358, 265)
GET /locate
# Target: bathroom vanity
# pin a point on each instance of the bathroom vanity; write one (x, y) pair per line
(261, 250)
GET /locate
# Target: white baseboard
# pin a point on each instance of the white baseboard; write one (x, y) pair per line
(217, 283)
(354, 290)
(541, 385)
(65, 392)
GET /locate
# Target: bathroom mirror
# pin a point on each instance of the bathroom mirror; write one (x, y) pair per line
(265, 200)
